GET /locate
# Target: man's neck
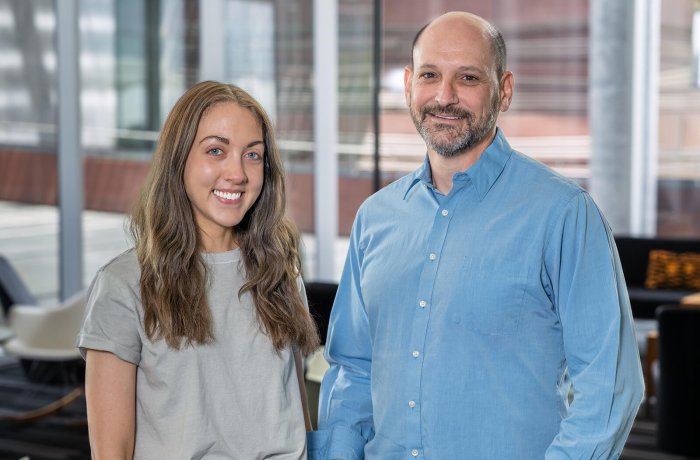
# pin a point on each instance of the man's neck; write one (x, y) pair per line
(443, 168)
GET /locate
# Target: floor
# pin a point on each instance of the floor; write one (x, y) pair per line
(58, 435)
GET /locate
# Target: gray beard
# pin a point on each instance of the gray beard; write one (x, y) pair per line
(474, 134)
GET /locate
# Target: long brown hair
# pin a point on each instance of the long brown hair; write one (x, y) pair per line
(173, 274)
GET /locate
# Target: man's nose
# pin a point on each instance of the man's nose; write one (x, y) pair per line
(447, 93)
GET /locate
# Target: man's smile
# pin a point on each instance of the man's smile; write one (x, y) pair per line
(446, 117)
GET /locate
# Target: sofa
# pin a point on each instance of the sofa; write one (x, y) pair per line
(662, 282)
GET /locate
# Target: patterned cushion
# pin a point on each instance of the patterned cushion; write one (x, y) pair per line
(690, 265)
(673, 270)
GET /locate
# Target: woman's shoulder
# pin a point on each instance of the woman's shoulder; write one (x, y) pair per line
(125, 260)
(124, 267)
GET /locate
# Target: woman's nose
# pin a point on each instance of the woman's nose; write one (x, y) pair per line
(233, 170)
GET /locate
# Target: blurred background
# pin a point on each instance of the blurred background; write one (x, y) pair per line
(605, 92)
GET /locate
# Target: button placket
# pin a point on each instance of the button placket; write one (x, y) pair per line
(420, 327)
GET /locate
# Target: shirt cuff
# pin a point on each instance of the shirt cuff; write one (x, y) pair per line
(337, 443)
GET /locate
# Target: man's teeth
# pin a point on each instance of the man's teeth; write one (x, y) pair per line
(227, 195)
(446, 117)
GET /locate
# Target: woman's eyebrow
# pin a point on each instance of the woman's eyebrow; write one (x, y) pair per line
(223, 140)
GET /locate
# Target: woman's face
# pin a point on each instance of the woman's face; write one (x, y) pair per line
(224, 172)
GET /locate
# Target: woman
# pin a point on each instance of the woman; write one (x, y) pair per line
(193, 339)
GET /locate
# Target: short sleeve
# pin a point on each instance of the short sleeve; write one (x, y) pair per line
(111, 320)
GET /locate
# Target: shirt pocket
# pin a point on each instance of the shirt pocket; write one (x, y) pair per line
(492, 294)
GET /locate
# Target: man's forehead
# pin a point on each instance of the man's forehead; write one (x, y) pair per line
(458, 37)
(437, 51)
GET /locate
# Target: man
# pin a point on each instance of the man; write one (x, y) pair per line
(482, 312)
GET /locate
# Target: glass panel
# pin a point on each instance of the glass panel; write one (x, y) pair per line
(99, 75)
(294, 58)
(28, 219)
(251, 55)
(27, 70)
(679, 117)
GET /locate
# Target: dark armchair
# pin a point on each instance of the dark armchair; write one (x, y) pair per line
(679, 380)
(321, 296)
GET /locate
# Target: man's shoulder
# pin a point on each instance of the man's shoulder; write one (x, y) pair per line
(543, 178)
(391, 192)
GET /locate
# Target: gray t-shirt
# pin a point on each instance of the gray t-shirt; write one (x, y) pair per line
(236, 398)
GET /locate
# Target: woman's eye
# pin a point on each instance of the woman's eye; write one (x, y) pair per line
(215, 151)
(252, 155)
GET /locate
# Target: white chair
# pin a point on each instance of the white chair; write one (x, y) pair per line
(44, 343)
(316, 366)
(46, 333)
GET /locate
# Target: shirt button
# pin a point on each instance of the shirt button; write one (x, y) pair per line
(414, 452)
(445, 212)
(415, 353)
(432, 256)
(423, 303)
(411, 404)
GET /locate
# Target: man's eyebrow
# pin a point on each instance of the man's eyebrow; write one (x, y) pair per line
(464, 68)
(427, 66)
(223, 140)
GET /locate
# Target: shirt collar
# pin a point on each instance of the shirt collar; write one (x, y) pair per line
(483, 173)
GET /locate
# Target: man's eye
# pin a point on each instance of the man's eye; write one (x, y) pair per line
(215, 151)
(469, 78)
(428, 75)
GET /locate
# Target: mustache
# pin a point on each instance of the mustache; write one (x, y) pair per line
(449, 111)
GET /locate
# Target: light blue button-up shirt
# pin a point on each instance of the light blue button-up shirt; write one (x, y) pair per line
(491, 323)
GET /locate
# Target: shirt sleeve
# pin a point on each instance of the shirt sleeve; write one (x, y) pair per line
(599, 343)
(345, 404)
(111, 322)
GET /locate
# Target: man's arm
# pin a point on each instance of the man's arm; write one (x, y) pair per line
(599, 342)
(110, 391)
(345, 404)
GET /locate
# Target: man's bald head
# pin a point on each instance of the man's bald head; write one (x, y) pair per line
(498, 45)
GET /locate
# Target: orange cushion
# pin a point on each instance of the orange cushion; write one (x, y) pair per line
(673, 270)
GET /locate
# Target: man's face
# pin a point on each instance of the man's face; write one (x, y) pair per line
(453, 93)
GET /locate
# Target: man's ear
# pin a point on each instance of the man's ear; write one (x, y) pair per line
(506, 91)
(407, 77)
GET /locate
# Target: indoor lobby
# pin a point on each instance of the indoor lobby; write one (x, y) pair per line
(606, 94)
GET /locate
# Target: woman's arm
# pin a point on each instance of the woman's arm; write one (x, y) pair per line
(302, 389)
(110, 391)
